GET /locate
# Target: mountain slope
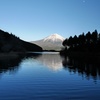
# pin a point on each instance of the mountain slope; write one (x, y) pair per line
(52, 42)
(10, 42)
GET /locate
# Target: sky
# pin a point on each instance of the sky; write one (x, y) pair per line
(35, 19)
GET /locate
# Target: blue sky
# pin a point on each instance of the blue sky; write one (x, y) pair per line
(36, 19)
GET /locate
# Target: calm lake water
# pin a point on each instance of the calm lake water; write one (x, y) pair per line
(49, 76)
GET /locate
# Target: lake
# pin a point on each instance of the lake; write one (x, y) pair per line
(49, 76)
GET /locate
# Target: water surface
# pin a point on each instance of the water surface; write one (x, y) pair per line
(49, 77)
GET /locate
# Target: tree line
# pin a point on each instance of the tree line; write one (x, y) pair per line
(89, 42)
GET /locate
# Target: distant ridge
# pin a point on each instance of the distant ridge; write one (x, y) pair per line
(52, 42)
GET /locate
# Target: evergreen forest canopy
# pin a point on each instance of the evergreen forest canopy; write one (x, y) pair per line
(89, 42)
(10, 42)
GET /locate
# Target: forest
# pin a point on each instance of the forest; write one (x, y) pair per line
(89, 42)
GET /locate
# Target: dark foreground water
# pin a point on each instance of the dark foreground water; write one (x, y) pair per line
(49, 77)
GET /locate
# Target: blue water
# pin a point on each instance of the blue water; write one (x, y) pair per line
(46, 78)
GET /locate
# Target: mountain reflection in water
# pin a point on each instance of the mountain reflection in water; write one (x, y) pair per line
(46, 76)
(51, 60)
(85, 67)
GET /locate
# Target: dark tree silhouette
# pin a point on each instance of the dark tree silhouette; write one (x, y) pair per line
(94, 36)
(10, 42)
(65, 42)
(88, 37)
(83, 43)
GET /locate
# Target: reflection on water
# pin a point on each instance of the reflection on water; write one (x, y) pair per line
(12, 63)
(52, 61)
(88, 67)
(34, 81)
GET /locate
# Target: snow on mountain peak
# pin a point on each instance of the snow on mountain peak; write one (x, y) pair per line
(54, 38)
(52, 42)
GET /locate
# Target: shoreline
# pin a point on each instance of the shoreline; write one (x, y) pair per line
(81, 54)
(10, 55)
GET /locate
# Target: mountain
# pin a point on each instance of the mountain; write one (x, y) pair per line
(10, 42)
(52, 42)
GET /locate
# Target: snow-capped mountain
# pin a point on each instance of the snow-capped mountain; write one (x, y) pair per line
(52, 42)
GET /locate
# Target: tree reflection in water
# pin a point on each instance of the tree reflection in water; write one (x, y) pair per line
(11, 62)
(88, 67)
